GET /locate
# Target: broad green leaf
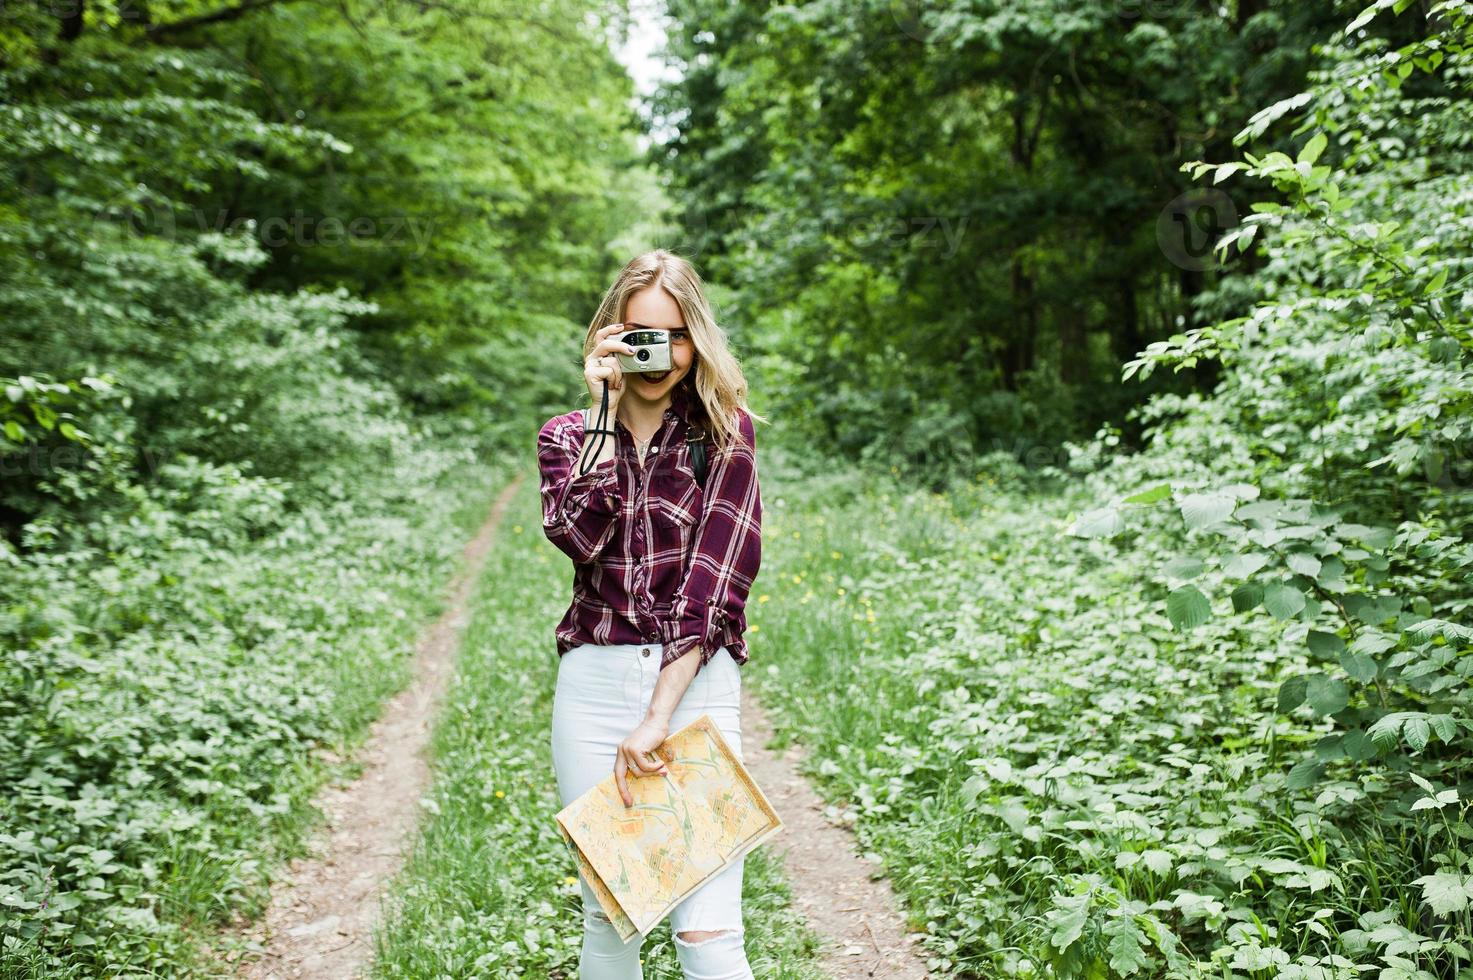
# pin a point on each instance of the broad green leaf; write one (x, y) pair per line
(1372, 641)
(1359, 666)
(1067, 919)
(1446, 892)
(1325, 694)
(1358, 745)
(1314, 148)
(1127, 946)
(1416, 732)
(1282, 601)
(1102, 522)
(1303, 563)
(1182, 567)
(1291, 693)
(1386, 729)
(1327, 646)
(1187, 607)
(1247, 596)
(1445, 726)
(1245, 564)
(1150, 496)
(1202, 509)
(1157, 860)
(1304, 774)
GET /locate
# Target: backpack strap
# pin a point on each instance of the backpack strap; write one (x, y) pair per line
(698, 453)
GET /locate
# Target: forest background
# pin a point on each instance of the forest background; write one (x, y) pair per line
(287, 283)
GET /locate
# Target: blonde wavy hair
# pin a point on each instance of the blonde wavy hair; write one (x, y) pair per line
(720, 388)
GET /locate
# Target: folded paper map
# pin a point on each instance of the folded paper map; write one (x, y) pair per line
(684, 827)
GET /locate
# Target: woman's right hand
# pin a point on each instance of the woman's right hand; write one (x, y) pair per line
(597, 372)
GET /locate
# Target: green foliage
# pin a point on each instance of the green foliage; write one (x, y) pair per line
(1207, 712)
(943, 222)
(264, 268)
(167, 674)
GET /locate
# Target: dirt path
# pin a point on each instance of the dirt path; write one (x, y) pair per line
(865, 936)
(324, 908)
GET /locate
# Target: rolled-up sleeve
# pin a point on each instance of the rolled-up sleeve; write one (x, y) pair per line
(726, 554)
(579, 513)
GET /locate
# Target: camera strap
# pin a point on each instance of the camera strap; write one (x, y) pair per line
(603, 430)
(695, 438)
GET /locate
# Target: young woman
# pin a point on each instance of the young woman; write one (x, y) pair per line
(662, 568)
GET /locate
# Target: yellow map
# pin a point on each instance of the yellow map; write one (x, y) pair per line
(684, 828)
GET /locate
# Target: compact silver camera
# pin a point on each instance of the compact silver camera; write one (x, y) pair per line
(651, 350)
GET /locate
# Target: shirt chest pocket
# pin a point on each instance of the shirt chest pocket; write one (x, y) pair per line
(675, 505)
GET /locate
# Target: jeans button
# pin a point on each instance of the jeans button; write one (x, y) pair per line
(645, 652)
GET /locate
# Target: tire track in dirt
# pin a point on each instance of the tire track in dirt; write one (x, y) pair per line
(324, 908)
(864, 934)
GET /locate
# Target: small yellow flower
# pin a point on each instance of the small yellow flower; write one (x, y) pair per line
(756, 628)
(516, 529)
(797, 580)
(841, 590)
(796, 534)
(763, 598)
(499, 794)
(570, 880)
(836, 554)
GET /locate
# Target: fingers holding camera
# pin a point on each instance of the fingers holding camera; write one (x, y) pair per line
(602, 366)
(600, 370)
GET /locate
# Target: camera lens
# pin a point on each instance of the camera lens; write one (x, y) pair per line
(642, 354)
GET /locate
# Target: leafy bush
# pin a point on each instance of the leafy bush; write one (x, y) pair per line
(165, 682)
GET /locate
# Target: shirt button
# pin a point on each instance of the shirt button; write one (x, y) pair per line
(645, 652)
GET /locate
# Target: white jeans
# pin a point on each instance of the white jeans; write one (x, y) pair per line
(602, 695)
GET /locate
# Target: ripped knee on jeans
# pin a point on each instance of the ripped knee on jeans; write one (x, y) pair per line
(695, 937)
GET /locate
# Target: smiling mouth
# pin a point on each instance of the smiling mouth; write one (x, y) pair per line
(654, 379)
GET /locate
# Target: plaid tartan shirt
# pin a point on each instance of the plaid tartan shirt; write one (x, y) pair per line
(656, 558)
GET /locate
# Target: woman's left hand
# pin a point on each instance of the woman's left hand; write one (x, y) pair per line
(637, 752)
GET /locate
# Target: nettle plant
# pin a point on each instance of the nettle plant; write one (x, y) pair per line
(1390, 676)
(1364, 284)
